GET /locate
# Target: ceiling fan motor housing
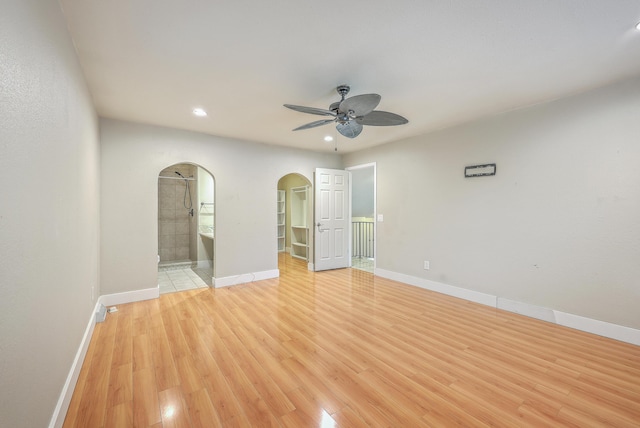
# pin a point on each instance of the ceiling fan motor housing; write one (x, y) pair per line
(343, 118)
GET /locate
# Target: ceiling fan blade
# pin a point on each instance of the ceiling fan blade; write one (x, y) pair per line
(314, 124)
(311, 110)
(349, 129)
(381, 118)
(361, 105)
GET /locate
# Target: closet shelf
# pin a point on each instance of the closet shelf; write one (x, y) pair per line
(282, 196)
(300, 221)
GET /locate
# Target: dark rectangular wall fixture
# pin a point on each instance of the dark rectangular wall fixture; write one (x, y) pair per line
(480, 170)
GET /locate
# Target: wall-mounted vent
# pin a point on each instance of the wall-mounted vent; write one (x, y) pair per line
(480, 170)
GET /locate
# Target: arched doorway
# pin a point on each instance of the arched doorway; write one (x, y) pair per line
(186, 228)
(295, 217)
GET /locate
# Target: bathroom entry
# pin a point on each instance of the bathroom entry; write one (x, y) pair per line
(186, 228)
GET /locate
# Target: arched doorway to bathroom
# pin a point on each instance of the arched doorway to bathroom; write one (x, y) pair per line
(295, 219)
(186, 228)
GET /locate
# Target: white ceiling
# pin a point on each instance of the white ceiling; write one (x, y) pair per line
(438, 62)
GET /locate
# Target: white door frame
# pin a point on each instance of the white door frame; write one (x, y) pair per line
(375, 208)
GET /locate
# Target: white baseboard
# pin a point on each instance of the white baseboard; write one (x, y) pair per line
(130, 296)
(533, 311)
(60, 411)
(450, 290)
(601, 328)
(245, 278)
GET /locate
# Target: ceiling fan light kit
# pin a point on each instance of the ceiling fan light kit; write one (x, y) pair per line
(350, 114)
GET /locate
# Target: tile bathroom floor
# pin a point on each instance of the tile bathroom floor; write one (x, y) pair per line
(185, 278)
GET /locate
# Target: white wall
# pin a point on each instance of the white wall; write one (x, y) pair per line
(246, 176)
(557, 227)
(49, 210)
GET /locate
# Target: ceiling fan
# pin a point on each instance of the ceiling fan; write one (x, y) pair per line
(351, 114)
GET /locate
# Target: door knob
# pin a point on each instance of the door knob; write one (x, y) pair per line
(320, 229)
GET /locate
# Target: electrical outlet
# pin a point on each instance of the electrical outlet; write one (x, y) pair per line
(426, 265)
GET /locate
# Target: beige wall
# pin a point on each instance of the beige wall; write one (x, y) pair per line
(557, 227)
(49, 210)
(246, 177)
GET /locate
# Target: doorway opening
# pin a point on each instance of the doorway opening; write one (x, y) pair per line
(363, 215)
(186, 228)
(295, 218)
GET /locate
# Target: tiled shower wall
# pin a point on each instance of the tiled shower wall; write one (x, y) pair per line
(176, 228)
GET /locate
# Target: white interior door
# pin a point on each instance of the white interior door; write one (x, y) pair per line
(332, 219)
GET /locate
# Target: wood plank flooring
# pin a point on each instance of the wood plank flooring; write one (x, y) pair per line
(344, 348)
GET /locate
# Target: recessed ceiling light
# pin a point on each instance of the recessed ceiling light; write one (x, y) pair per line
(328, 138)
(199, 112)
(638, 26)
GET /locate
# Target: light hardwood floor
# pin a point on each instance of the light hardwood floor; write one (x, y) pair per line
(345, 348)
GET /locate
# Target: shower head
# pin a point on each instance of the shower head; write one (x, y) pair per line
(179, 174)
